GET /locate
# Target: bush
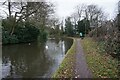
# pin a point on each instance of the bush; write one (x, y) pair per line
(27, 34)
(13, 39)
(109, 35)
(22, 34)
(8, 23)
(43, 35)
(8, 39)
(33, 31)
(5, 38)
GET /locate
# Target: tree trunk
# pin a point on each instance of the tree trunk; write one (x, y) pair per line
(13, 27)
(9, 8)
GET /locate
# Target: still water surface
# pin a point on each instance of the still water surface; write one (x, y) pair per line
(34, 60)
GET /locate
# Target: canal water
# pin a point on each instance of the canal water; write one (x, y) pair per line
(34, 60)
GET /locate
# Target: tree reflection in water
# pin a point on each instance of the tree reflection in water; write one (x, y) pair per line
(23, 60)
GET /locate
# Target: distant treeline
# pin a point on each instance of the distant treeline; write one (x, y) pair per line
(92, 22)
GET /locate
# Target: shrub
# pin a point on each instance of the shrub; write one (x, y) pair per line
(5, 38)
(43, 35)
(8, 39)
(22, 34)
(108, 34)
(13, 39)
(27, 34)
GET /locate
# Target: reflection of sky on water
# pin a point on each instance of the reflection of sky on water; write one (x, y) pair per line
(56, 54)
(35, 60)
(6, 68)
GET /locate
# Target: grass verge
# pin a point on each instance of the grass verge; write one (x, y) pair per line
(101, 64)
(66, 69)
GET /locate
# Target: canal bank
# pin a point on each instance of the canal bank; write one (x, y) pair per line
(66, 69)
(85, 59)
(100, 63)
(74, 64)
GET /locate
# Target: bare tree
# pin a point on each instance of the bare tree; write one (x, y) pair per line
(94, 14)
(80, 10)
(29, 11)
(74, 17)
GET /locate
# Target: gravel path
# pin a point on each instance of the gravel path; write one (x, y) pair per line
(81, 67)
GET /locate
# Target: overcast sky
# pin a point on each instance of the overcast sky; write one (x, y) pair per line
(66, 7)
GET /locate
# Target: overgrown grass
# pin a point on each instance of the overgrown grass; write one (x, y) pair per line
(101, 64)
(66, 69)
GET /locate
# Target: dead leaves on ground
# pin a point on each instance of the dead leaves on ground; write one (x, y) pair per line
(102, 65)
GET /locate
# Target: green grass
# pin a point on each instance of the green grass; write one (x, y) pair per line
(101, 64)
(66, 69)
